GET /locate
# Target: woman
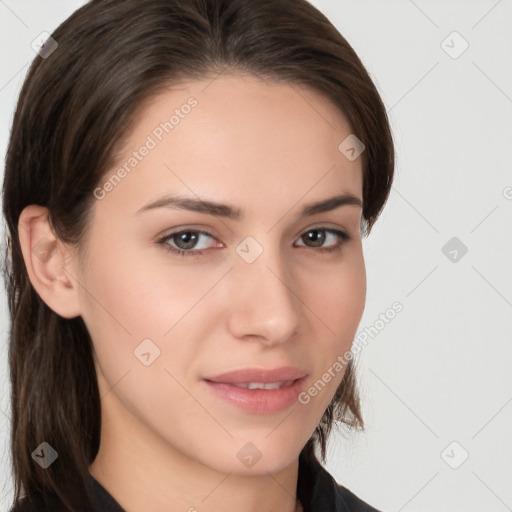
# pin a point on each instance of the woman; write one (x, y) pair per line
(186, 188)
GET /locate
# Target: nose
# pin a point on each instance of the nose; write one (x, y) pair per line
(264, 305)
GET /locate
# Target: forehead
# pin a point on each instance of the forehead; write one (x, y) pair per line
(237, 134)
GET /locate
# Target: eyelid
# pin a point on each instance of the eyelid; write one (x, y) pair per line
(196, 229)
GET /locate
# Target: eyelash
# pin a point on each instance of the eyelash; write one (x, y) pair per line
(343, 238)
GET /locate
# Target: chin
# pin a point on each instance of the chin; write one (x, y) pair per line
(257, 457)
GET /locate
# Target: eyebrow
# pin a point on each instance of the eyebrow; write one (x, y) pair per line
(233, 213)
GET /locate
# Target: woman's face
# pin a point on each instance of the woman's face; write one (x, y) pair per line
(259, 291)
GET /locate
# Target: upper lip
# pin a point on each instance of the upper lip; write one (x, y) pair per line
(263, 375)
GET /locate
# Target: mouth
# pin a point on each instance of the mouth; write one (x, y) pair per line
(258, 397)
(263, 385)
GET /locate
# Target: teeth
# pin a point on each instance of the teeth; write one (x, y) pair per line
(262, 385)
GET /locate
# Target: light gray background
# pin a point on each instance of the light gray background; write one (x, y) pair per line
(439, 372)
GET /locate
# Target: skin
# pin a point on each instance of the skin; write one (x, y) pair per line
(168, 443)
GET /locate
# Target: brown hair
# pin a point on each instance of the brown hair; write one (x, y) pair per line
(74, 104)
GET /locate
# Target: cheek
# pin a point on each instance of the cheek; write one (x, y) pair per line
(126, 302)
(338, 299)
(144, 298)
(137, 314)
(338, 295)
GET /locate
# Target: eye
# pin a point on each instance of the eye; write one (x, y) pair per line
(340, 237)
(185, 242)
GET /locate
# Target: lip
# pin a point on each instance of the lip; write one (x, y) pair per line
(259, 401)
(259, 375)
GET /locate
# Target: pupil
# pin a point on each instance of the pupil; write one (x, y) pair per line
(186, 238)
(316, 239)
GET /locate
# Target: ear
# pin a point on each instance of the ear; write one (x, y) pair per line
(49, 262)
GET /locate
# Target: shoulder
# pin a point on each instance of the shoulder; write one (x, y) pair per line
(352, 502)
(318, 491)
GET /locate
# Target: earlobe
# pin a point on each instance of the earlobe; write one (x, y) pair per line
(48, 262)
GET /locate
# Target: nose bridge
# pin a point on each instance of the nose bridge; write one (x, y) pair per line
(264, 304)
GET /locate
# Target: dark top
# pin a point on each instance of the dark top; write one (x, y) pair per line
(321, 493)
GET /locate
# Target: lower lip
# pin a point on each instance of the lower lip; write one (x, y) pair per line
(263, 401)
